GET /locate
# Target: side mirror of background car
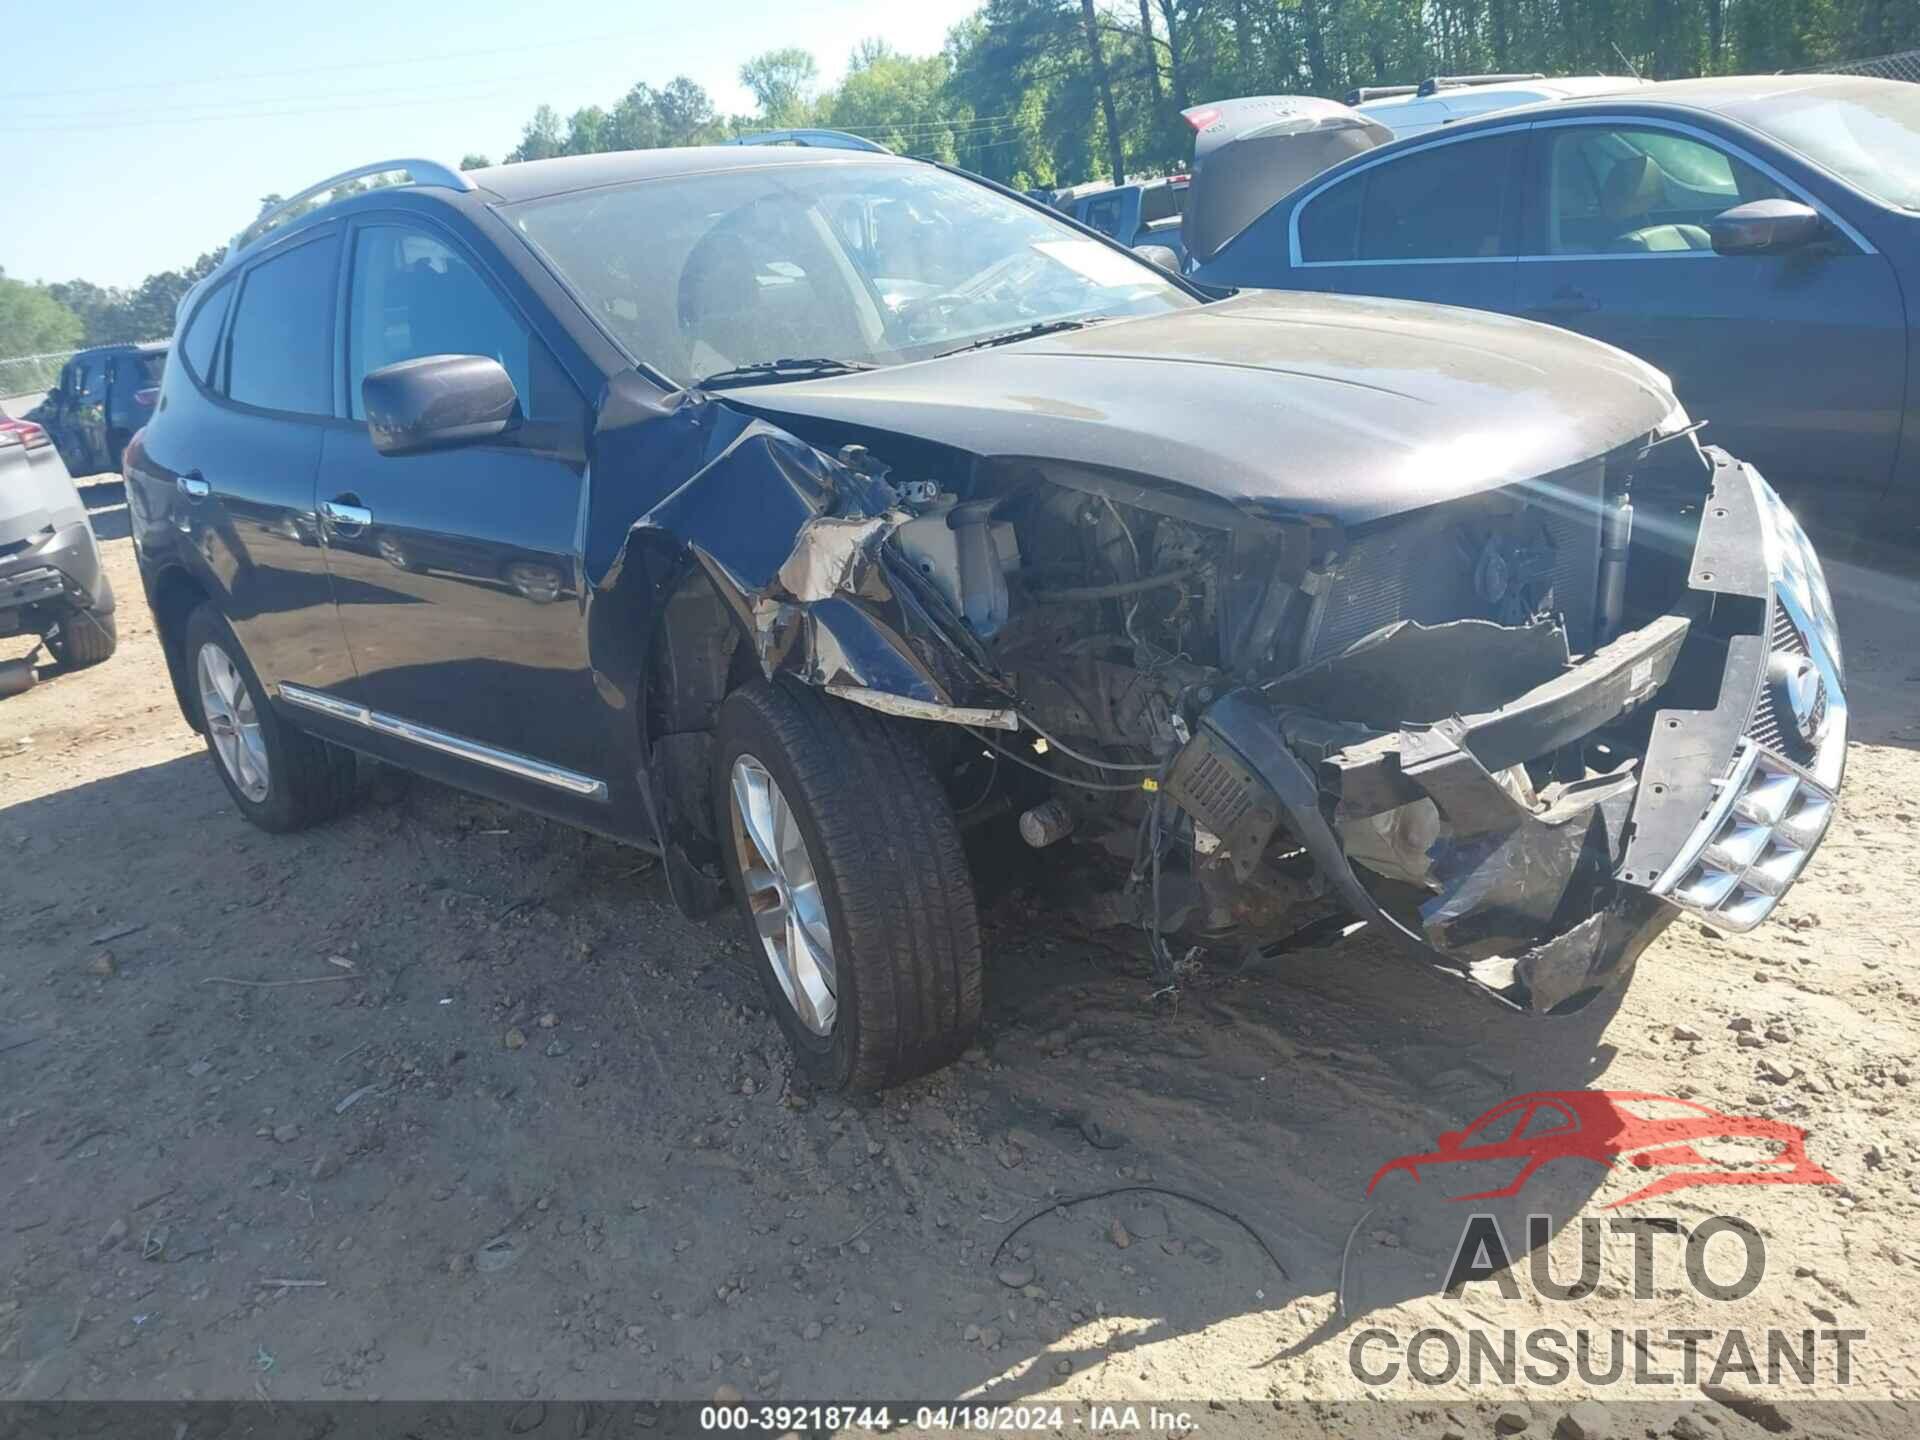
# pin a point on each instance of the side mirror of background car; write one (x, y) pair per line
(1160, 255)
(1762, 227)
(437, 402)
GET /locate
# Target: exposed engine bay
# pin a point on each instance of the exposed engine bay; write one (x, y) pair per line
(1117, 622)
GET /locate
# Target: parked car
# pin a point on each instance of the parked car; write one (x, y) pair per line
(51, 582)
(1755, 238)
(104, 395)
(1258, 605)
(1447, 99)
(1146, 212)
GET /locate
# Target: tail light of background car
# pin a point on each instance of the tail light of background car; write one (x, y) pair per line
(147, 398)
(24, 432)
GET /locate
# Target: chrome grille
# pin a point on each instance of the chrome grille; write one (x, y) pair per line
(1769, 726)
(1762, 830)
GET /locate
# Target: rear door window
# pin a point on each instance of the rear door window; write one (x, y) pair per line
(1447, 202)
(1103, 214)
(1454, 201)
(281, 336)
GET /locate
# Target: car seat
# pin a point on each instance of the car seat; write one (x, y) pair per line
(1635, 187)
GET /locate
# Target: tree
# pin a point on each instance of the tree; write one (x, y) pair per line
(1115, 156)
(686, 112)
(32, 322)
(474, 160)
(588, 132)
(901, 101)
(542, 139)
(783, 82)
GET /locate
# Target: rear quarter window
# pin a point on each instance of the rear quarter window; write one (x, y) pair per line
(1330, 222)
(197, 341)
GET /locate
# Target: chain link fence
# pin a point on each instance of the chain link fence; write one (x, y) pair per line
(1903, 65)
(25, 379)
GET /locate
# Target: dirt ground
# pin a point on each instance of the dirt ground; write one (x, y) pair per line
(514, 1129)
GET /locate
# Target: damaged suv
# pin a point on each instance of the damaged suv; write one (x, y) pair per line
(790, 513)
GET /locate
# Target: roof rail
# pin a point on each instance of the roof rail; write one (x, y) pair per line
(418, 172)
(1364, 93)
(823, 139)
(1449, 82)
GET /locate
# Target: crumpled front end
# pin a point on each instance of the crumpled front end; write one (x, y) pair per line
(1535, 839)
(1521, 726)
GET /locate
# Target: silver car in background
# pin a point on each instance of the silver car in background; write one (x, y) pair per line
(51, 581)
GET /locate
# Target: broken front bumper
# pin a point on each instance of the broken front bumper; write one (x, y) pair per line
(1545, 901)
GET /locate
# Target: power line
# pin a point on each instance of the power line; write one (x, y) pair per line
(240, 105)
(165, 119)
(413, 60)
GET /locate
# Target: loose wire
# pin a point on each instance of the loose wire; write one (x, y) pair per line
(1022, 761)
(1067, 749)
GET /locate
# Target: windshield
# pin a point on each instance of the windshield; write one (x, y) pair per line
(1868, 133)
(855, 262)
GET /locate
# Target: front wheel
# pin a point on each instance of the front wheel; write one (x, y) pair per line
(847, 863)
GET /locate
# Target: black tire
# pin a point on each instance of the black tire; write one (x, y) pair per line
(898, 895)
(309, 780)
(84, 638)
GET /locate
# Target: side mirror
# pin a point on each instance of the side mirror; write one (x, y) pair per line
(1762, 227)
(1161, 255)
(437, 402)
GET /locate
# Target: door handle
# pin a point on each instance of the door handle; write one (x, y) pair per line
(1568, 301)
(346, 517)
(193, 485)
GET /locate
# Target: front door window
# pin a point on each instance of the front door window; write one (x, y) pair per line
(1620, 190)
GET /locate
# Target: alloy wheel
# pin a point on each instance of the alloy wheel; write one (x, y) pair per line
(783, 893)
(233, 724)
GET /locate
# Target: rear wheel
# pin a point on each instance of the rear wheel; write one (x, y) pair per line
(281, 778)
(847, 863)
(84, 638)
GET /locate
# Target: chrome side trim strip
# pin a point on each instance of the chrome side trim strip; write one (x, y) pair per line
(506, 761)
(888, 703)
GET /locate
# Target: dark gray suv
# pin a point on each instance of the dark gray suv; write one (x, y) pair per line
(803, 514)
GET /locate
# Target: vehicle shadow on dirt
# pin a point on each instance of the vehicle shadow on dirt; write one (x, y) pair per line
(547, 1057)
(1273, 1096)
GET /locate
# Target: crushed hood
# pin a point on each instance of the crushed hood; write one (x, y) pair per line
(1324, 407)
(1250, 152)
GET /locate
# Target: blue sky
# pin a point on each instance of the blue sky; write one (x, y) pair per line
(135, 136)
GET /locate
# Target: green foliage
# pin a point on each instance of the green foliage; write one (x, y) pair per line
(33, 321)
(905, 103)
(783, 82)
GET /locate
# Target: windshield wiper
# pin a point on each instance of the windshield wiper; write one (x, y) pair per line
(769, 372)
(1025, 332)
